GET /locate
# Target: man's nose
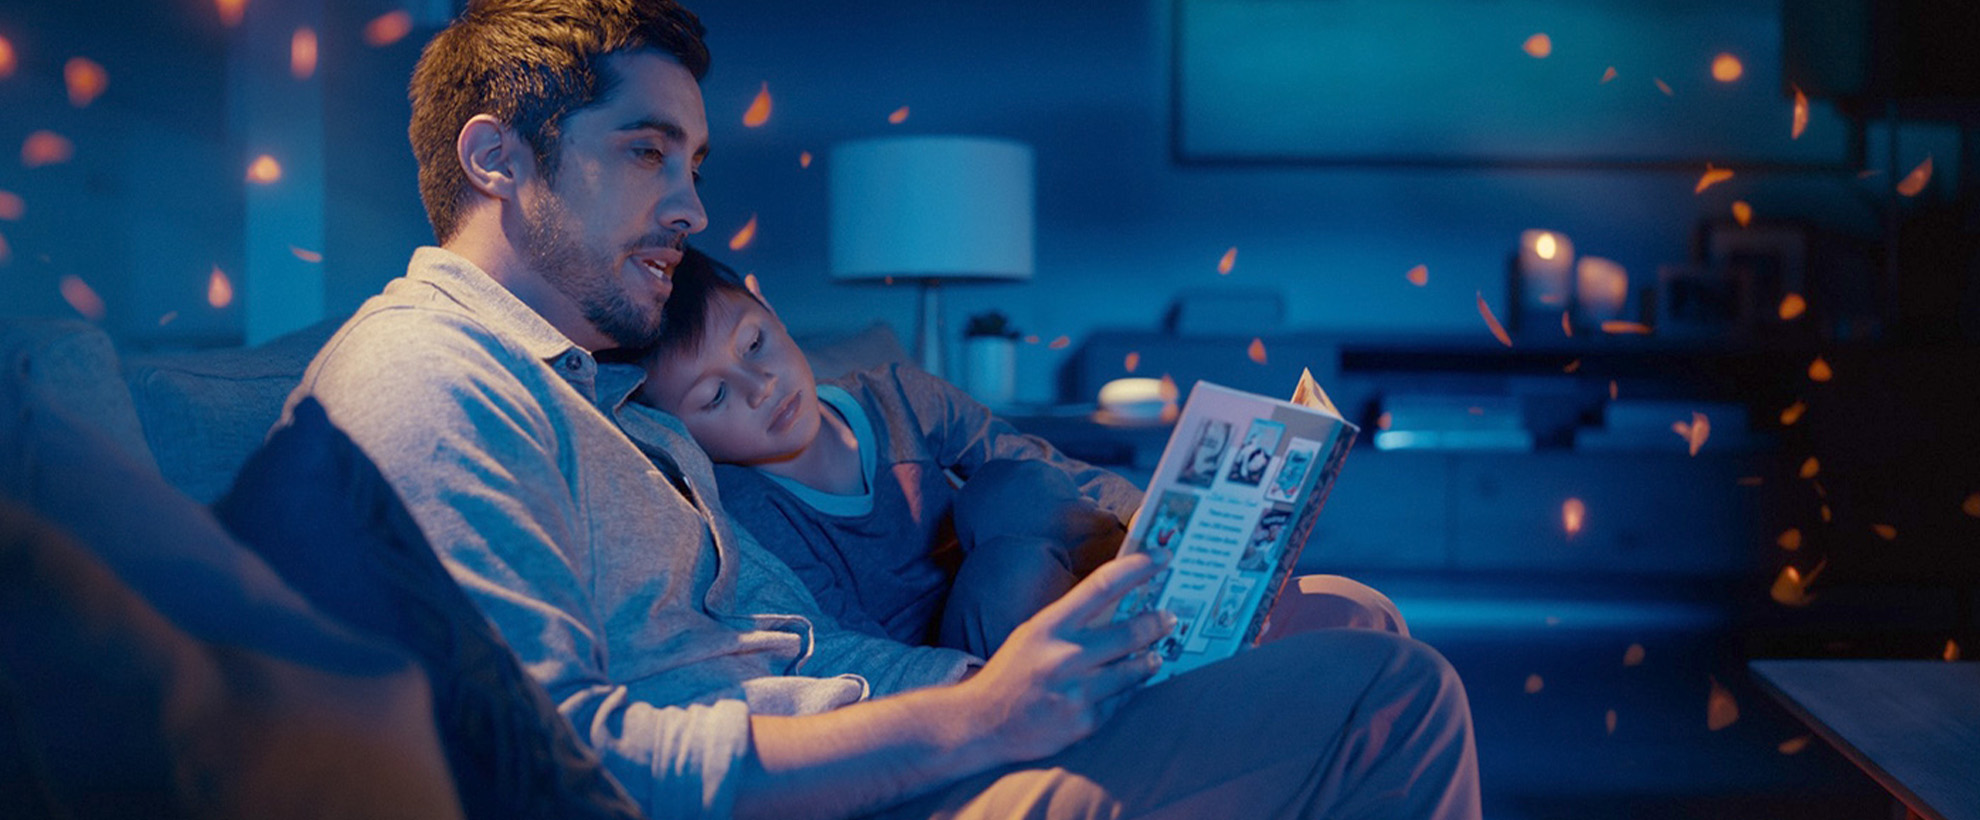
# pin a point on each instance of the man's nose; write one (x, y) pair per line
(682, 211)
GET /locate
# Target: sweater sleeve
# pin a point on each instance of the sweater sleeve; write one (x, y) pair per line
(964, 435)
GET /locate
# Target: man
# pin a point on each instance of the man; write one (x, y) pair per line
(558, 143)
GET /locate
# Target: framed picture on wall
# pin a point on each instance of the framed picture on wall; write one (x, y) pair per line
(1763, 264)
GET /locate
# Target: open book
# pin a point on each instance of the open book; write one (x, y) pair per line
(1234, 498)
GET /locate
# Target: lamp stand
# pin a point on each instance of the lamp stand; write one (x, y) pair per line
(929, 332)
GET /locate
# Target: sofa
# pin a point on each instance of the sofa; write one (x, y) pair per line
(200, 617)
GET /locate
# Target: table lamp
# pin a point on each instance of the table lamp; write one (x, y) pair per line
(931, 209)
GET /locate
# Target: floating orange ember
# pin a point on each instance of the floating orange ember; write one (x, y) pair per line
(1227, 261)
(1573, 512)
(1492, 322)
(12, 207)
(302, 53)
(1792, 306)
(1256, 352)
(1800, 114)
(1633, 655)
(1609, 721)
(219, 289)
(1790, 539)
(1534, 684)
(1828, 515)
(231, 11)
(1971, 506)
(759, 108)
(1572, 366)
(1885, 531)
(745, 236)
(1742, 213)
(1791, 588)
(1811, 468)
(1060, 342)
(1612, 390)
(1720, 708)
(86, 80)
(1727, 68)
(804, 159)
(1567, 325)
(1663, 86)
(387, 28)
(1794, 745)
(169, 317)
(305, 254)
(264, 170)
(1419, 275)
(6, 251)
(1031, 339)
(1914, 183)
(1538, 46)
(1695, 431)
(1619, 327)
(1820, 371)
(46, 148)
(1608, 75)
(1133, 361)
(899, 116)
(1749, 481)
(1952, 650)
(1383, 421)
(1713, 176)
(8, 62)
(82, 297)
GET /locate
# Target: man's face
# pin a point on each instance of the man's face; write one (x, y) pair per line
(747, 395)
(607, 232)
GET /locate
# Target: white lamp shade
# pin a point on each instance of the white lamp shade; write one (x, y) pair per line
(931, 207)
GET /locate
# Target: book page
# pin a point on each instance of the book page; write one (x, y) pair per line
(1233, 498)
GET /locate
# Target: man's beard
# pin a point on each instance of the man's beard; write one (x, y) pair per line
(588, 278)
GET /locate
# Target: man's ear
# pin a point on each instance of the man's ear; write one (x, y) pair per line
(492, 157)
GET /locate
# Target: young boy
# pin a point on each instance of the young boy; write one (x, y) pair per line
(849, 481)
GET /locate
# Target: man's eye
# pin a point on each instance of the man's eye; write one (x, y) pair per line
(652, 155)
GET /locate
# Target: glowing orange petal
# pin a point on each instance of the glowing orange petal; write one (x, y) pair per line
(1720, 708)
(1792, 306)
(1794, 745)
(1885, 531)
(1031, 339)
(899, 116)
(1633, 655)
(86, 80)
(1383, 421)
(1169, 391)
(1608, 75)
(6, 251)
(264, 170)
(305, 254)
(46, 148)
(1697, 431)
(12, 207)
(1915, 182)
(219, 289)
(804, 159)
(1663, 86)
(1820, 371)
(1573, 512)
(1612, 390)
(1060, 343)
(1828, 515)
(387, 28)
(1538, 46)
(8, 62)
(1534, 684)
(169, 317)
(1132, 361)
(1952, 650)
(302, 53)
(1790, 539)
(753, 286)
(80, 296)
(759, 108)
(1256, 351)
(1492, 322)
(1713, 176)
(1792, 413)
(1419, 275)
(1726, 68)
(1228, 261)
(1572, 366)
(745, 236)
(1800, 114)
(1811, 468)
(1742, 213)
(1618, 327)
(1971, 506)
(231, 11)
(1791, 588)
(1567, 325)
(1609, 721)
(1749, 481)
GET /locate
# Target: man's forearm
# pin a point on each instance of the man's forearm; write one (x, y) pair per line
(863, 757)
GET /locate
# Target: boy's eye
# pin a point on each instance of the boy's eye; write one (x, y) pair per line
(721, 392)
(756, 343)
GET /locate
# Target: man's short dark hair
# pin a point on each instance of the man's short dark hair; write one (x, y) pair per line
(697, 280)
(529, 64)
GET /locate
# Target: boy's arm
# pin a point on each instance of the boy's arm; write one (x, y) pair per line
(771, 527)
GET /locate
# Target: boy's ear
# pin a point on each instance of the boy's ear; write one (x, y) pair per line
(756, 290)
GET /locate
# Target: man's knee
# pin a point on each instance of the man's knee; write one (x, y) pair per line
(1312, 602)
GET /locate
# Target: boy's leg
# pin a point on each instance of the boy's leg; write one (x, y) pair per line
(1334, 723)
(1027, 538)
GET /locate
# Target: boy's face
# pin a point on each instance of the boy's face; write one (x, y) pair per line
(747, 395)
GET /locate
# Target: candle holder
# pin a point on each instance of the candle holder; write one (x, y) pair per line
(1542, 281)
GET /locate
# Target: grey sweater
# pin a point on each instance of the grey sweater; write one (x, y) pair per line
(656, 626)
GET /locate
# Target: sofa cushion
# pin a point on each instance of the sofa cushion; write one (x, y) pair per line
(74, 365)
(205, 411)
(832, 355)
(320, 512)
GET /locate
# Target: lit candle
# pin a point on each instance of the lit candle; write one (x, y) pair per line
(1602, 288)
(1545, 260)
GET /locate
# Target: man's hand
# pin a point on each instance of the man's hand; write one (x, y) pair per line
(1055, 679)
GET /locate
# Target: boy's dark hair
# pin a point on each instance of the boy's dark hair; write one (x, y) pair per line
(697, 279)
(529, 64)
